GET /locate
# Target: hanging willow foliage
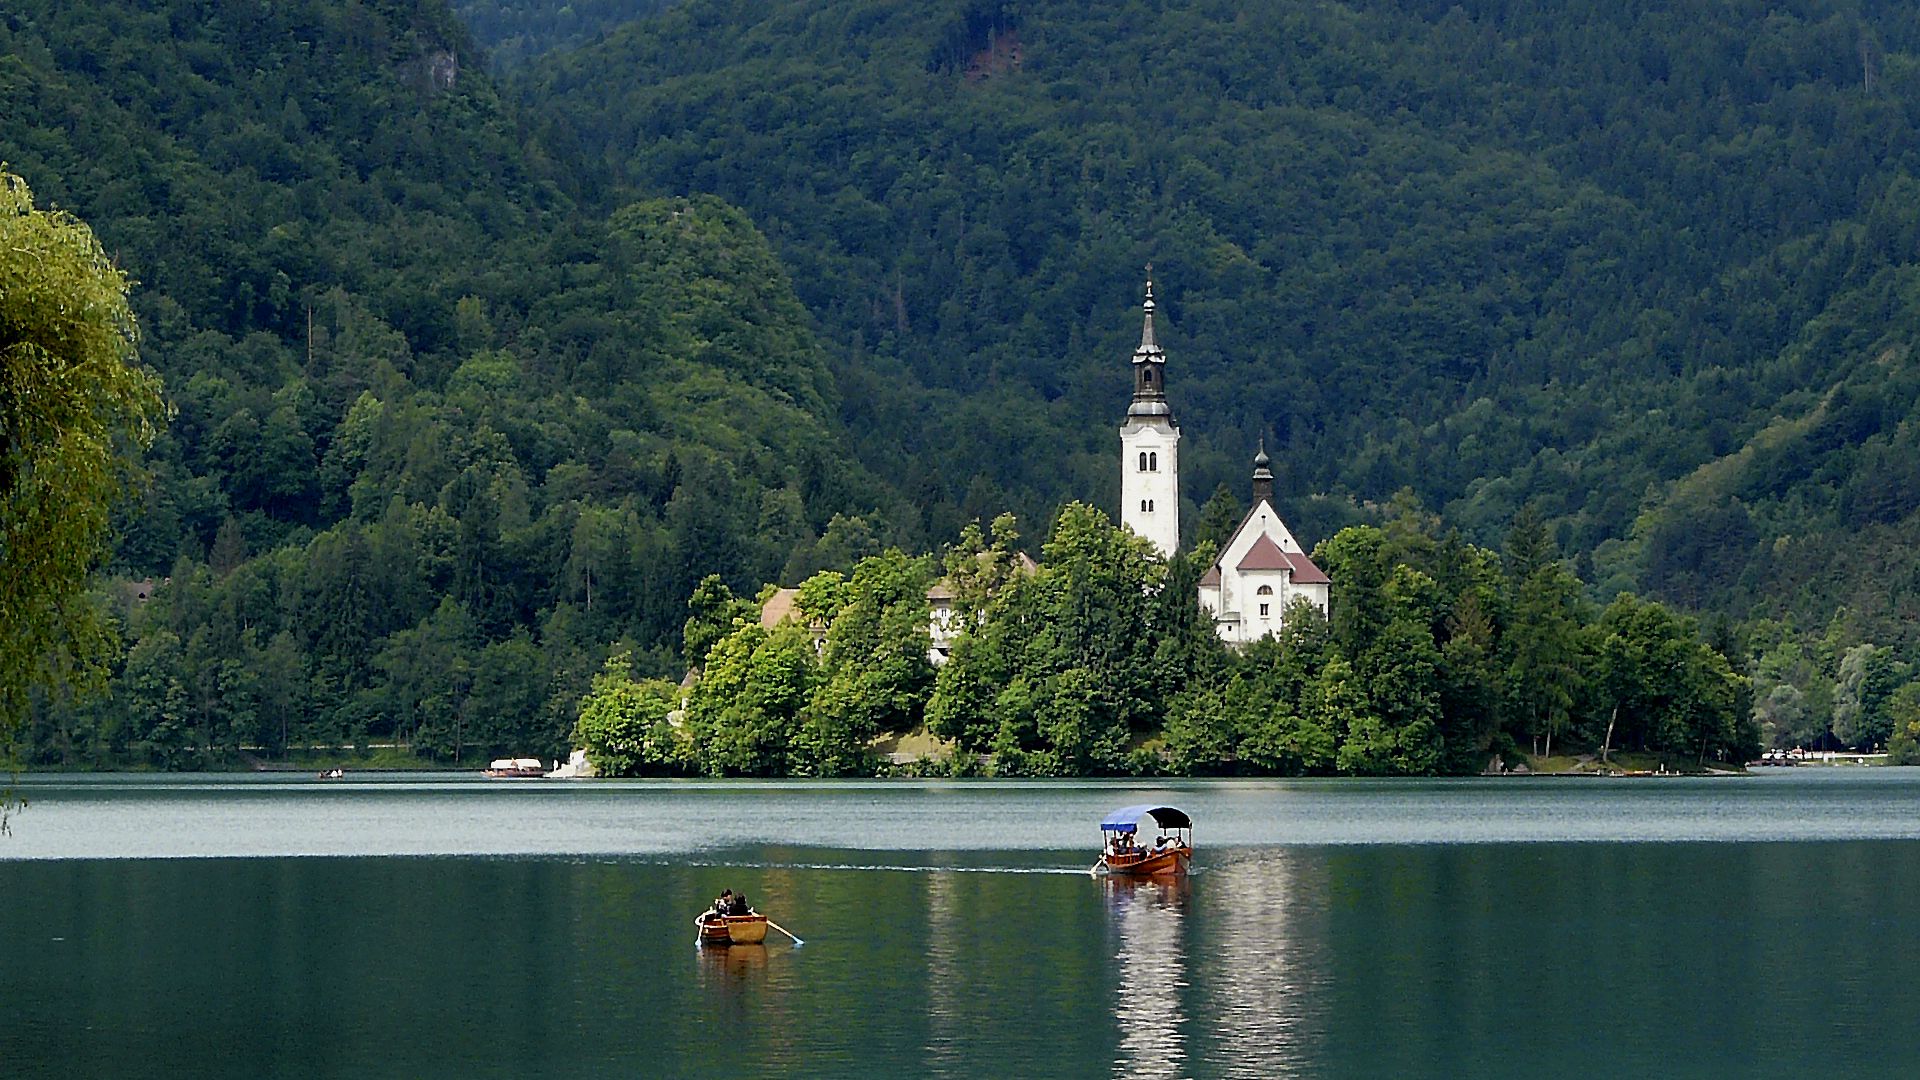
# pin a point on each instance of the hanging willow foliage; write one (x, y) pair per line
(76, 411)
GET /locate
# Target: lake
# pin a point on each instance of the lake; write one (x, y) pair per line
(446, 926)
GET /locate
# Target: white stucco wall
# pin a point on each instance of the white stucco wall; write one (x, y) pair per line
(1150, 498)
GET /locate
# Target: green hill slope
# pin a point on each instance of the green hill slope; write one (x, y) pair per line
(514, 31)
(1494, 252)
(424, 401)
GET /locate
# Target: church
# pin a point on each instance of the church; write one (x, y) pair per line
(1261, 570)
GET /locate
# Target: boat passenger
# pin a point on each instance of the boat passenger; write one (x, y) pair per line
(723, 902)
(739, 905)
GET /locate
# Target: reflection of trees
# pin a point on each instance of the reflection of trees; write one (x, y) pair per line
(1150, 917)
(1015, 964)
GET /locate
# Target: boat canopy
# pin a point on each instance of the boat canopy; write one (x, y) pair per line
(1127, 818)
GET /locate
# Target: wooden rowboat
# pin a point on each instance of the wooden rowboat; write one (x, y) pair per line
(748, 929)
(1125, 853)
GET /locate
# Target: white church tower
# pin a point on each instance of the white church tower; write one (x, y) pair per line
(1150, 446)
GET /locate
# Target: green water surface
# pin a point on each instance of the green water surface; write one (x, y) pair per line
(215, 927)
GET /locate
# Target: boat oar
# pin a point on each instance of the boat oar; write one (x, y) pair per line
(784, 930)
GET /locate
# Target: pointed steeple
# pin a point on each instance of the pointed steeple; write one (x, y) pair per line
(1149, 348)
(1262, 476)
(1149, 365)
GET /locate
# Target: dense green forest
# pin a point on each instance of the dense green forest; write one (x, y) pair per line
(514, 31)
(424, 399)
(1642, 264)
(1441, 657)
(476, 380)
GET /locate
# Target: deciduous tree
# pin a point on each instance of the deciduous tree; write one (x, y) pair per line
(76, 409)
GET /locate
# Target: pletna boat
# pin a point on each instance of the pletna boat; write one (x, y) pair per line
(516, 768)
(1124, 851)
(717, 929)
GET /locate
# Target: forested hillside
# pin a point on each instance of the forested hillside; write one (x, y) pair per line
(443, 436)
(1648, 265)
(515, 31)
(474, 385)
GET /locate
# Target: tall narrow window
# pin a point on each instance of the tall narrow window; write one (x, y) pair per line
(1149, 506)
(1143, 506)
(1153, 462)
(1263, 611)
(1143, 461)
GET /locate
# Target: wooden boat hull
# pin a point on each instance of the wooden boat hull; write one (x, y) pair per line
(1171, 862)
(734, 930)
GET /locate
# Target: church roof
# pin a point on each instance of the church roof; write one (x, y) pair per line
(1264, 555)
(1211, 579)
(1304, 572)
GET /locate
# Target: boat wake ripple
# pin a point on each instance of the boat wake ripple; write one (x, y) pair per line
(745, 864)
(752, 864)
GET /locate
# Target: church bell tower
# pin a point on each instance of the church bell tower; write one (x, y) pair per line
(1150, 446)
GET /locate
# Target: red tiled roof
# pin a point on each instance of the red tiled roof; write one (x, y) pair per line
(1211, 579)
(1265, 555)
(1304, 572)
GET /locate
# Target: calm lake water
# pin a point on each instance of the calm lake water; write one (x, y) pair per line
(445, 926)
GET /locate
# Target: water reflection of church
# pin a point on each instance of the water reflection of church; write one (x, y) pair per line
(1226, 975)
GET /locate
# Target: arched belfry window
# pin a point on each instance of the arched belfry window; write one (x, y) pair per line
(1264, 590)
(1149, 506)
(1143, 461)
(1153, 462)
(1143, 506)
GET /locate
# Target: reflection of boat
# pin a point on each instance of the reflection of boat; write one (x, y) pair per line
(716, 929)
(1123, 852)
(737, 960)
(515, 768)
(1168, 891)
